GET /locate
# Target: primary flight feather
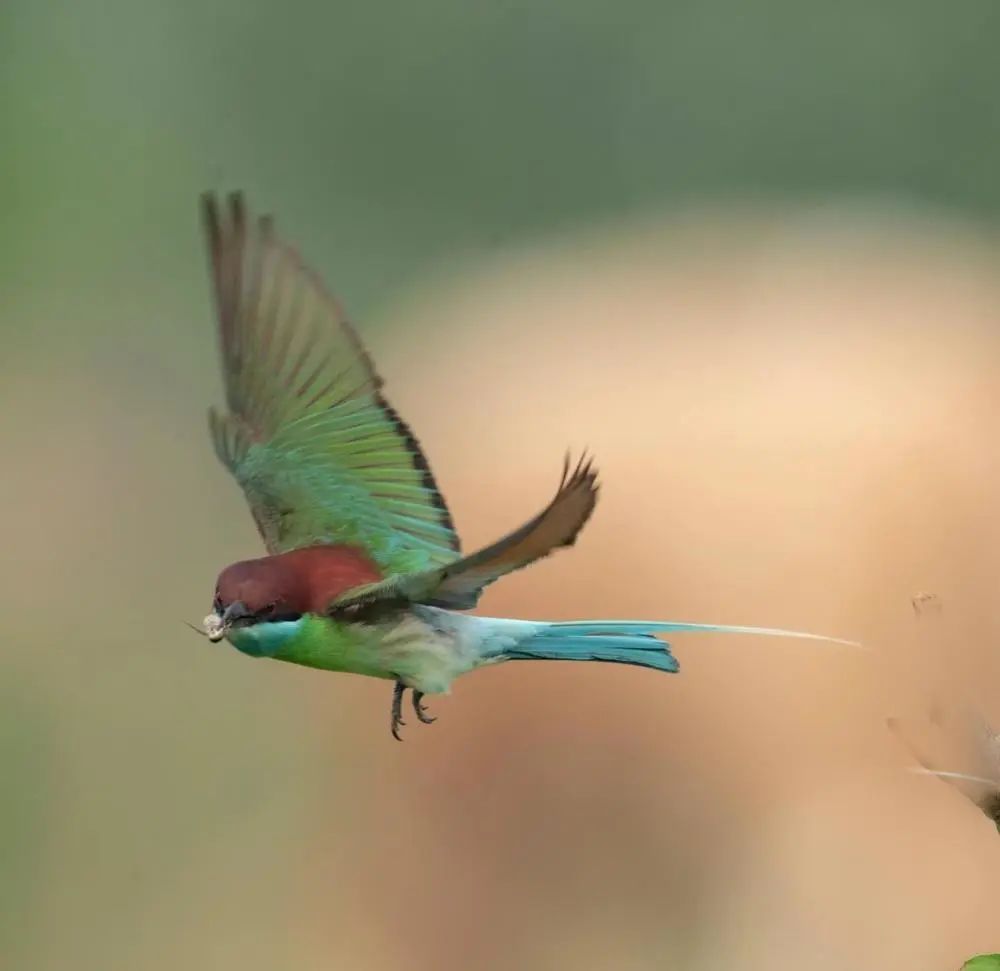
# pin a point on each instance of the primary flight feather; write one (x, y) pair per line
(364, 572)
(320, 454)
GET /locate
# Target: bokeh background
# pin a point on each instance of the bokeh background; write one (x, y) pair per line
(746, 253)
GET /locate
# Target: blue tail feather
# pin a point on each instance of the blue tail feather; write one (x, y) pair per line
(677, 627)
(615, 642)
(626, 641)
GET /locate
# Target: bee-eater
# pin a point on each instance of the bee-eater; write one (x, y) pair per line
(363, 572)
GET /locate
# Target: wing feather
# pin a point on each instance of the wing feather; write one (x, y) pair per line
(459, 584)
(320, 454)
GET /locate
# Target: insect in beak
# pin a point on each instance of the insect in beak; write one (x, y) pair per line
(217, 626)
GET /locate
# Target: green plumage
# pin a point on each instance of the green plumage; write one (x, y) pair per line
(320, 454)
(315, 642)
(312, 483)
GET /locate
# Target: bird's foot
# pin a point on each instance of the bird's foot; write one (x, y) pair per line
(396, 721)
(419, 709)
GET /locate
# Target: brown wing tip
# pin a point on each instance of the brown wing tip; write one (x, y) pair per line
(584, 474)
(210, 220)
(581, 486)
(229, 215)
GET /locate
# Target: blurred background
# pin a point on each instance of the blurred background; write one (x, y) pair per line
(747, 254)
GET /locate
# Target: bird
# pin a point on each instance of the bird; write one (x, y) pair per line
(363, 571)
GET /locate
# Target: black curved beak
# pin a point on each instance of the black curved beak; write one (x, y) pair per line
(237, 610)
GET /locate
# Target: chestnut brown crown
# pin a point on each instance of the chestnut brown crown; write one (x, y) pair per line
(268, 588)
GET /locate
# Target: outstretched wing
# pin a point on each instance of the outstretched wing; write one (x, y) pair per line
(319, 453)
(458, 585)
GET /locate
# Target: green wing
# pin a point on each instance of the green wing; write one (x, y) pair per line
(319, 453)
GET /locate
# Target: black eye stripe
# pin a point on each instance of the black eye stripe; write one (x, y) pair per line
(281, 615)
(272, 613)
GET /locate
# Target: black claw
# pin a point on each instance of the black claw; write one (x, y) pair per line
(397, 710)
(396, 721)
(419, 708)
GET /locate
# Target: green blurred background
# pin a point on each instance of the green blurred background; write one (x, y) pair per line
(668, 230)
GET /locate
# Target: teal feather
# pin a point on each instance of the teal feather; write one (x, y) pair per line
(640, 649)
(625, 641)
(589, 627)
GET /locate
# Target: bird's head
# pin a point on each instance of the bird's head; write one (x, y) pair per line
(254, 592)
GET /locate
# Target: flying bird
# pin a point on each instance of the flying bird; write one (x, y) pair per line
(363, 571)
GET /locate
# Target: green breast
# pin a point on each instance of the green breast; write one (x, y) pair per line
(316, 642)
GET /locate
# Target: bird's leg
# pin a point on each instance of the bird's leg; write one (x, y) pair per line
(397, 710)
(419, 708)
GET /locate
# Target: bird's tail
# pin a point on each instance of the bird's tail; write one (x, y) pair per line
(623, 641)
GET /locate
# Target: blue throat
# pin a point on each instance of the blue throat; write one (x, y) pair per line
(265, 639)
